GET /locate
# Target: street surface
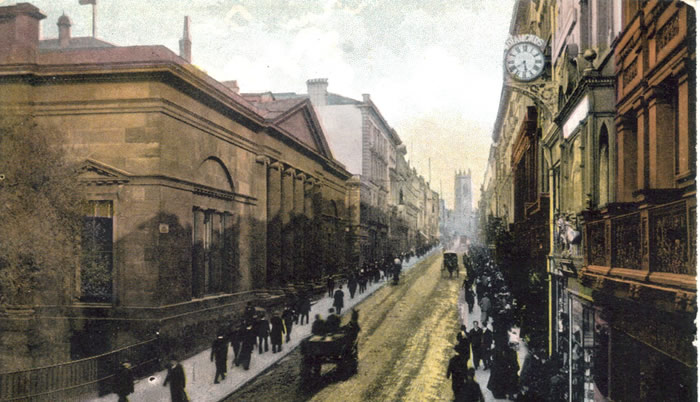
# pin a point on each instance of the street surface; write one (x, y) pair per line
(406, 341)
(199, 370)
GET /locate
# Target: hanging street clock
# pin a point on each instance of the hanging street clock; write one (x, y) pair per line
(524, 60)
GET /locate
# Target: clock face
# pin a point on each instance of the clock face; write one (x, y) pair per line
(524, 61)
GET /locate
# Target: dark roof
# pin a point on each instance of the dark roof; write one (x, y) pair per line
(288, 95)
(275, 108)
(335, 99)
(85, 42)
(331, 99)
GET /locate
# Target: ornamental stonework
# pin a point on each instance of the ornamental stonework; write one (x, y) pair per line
(629, 73)
(667, 32)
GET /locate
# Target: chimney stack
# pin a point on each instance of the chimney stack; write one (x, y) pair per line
(186, 42)
(232, 85)
(64, 30)
(19, 32)
(317, 89)
(365, 98)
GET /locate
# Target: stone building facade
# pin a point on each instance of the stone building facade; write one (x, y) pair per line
(199, 200)
(395, 211)
(608, 136)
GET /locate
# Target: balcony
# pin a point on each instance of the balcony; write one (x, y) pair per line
(653, 244)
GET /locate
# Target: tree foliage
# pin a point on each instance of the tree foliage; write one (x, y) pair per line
(40, 214)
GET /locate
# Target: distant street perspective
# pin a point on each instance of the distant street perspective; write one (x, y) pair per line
(406, 339)
(348, 200)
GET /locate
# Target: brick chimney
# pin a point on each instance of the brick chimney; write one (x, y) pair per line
(317, 89)
(186, 42)
(19, 32)
(64, 30)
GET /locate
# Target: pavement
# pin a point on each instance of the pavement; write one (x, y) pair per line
(482, 374)
(199, 370)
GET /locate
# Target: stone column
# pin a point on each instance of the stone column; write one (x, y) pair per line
(642, 144)
(274, 224)
(661, 140)
(626, 160)
(286, 219)
(686, 128)
(298, 227)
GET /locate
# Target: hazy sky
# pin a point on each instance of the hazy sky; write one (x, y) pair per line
(433, 67)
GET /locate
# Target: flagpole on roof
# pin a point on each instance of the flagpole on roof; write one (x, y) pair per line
(94, 19)
(94, 14)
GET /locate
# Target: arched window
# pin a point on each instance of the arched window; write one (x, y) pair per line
(400, 196)
(603, 167)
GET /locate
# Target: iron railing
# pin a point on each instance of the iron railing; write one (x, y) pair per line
(71, 380)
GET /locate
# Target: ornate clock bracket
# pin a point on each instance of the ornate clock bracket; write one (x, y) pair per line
(542, 91)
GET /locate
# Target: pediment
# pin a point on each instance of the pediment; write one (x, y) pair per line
(93, 172)
(302, 124)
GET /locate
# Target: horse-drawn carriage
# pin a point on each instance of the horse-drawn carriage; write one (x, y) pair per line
(450, 263)
(337, 348)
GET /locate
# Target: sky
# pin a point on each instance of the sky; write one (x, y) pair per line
(433, 67)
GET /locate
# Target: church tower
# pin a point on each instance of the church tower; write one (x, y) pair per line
(463, 201)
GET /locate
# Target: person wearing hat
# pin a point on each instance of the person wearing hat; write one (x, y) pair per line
(263, 332)
(247, 346)
(338, 297)
(457, 369)
(288, 316)
(124, 381)
(176, 379)
(219, 352)
(470, 391)
(332, 322)
(276, 332)
(319, 326)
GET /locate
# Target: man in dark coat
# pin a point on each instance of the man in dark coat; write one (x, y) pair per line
(247, 346)
(362, 281)
(352, 285)
(319, 326)
(276, 333)
(288, 318)
(470, 391)
(338, 299)
(475, 338)
(263, 331)
(332, 323)
(486, 346)
(463, 347)
(457, 369)
(303, 308)
(469, 296)
(176, 379)
(124, 382)
(249, 313)
(330, 285)
(219, 352)
(235, 337)
(503, 380)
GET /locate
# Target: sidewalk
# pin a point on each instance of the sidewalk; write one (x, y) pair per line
(199, 371)
(467, 319)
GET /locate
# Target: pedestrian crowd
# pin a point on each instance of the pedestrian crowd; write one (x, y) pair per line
(488, 342)
(262, 331)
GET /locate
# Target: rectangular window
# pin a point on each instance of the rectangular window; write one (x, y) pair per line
(97, 253)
